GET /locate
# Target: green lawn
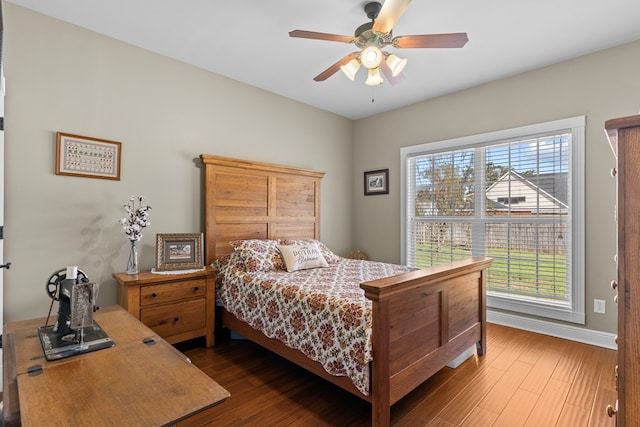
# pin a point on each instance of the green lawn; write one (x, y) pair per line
(540, 276)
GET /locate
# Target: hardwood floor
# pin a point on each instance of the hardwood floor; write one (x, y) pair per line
(525, 379)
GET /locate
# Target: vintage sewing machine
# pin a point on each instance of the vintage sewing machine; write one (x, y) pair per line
(75, 331)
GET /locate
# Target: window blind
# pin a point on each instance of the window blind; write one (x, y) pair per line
(507, 198)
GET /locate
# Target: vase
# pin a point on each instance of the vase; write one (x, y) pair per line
(132, 261)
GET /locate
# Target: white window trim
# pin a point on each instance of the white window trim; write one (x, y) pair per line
(577, 221)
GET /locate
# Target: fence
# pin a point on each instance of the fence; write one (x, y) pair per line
(542, 238)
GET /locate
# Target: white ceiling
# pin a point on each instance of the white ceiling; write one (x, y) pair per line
(248, 40)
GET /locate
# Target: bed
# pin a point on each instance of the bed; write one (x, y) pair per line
(420, 319)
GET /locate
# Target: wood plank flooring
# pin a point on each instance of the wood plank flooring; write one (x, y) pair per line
(525, 379)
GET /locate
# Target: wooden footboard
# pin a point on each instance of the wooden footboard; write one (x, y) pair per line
(421, 321)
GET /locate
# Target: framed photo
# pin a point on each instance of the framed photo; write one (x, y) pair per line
(376, 182)
(87, 157)
(178, 252)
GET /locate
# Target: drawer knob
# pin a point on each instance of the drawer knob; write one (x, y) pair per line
(614, 172)
(614, 285)
(153, 295)
(611, 411)
(196, 289)
(176, 319)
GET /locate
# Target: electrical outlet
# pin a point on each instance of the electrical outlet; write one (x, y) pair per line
(599, 306)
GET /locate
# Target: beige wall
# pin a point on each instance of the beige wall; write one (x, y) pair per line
(63, 78)
(600, 86)
(165, 113)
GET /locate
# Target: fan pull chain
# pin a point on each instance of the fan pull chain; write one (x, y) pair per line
(372, 97)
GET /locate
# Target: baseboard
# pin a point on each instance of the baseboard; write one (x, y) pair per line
(568, 332)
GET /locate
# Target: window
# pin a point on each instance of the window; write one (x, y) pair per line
(515, 195)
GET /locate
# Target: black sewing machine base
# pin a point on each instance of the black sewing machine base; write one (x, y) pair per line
(54, 348)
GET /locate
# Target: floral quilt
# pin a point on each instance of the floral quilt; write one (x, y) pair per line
(322, 311)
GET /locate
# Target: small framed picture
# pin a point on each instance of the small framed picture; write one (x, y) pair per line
(178, 251)
(87, 157)
(376, 182)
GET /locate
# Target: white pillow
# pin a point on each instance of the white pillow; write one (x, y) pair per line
(300, 257)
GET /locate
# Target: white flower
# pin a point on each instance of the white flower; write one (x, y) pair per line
(136, 218)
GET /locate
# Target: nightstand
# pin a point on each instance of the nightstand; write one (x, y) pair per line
(177, 307)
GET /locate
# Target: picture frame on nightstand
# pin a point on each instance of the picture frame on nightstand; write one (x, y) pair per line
(179, 251)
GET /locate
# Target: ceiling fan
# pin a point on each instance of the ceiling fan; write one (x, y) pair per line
(373, 36)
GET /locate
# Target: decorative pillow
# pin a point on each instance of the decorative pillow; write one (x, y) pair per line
(229, 261)
(300, 257)
(259, 255)
(329, 256)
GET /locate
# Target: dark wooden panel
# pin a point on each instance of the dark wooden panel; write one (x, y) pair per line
(624, 137)
(464, 298)
(405, 352)
(415, 330)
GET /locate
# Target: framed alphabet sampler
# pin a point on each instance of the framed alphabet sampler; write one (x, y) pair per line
(87, 157)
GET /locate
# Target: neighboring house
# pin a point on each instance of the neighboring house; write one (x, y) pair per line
(512, 194)
(543, 194)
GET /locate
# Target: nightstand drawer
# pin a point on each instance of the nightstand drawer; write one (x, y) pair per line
(172, 319)
(178, 306)
(168, 292)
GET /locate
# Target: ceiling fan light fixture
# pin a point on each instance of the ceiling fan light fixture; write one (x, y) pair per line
(371, 57)
(351, 68)
(374, 78)
(396, 64)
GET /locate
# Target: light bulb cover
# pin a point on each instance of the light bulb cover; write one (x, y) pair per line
(374, 78)
(351, 68)
(371, 57)
(396, 65)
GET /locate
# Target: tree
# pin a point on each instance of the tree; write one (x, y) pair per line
(493, 173)
(444, 184)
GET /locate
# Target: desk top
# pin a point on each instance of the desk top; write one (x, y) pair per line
(132, 383)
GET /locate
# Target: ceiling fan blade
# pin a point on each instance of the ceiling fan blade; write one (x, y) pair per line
(321, 36)
(389, 15)
(431, 40)
(335, 67)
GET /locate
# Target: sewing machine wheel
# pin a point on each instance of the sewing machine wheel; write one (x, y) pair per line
(59, 276)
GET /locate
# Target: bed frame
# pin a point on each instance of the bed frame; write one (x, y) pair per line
(422, 320)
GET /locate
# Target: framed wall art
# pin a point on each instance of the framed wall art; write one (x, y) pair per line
(376, 182)
(87, 157)
(179, 251)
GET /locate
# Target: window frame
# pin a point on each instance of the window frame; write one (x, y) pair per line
(576, 126)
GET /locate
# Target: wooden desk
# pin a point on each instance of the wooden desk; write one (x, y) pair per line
(132, 383)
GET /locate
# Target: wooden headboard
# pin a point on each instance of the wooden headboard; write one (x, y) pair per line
(252, 200)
